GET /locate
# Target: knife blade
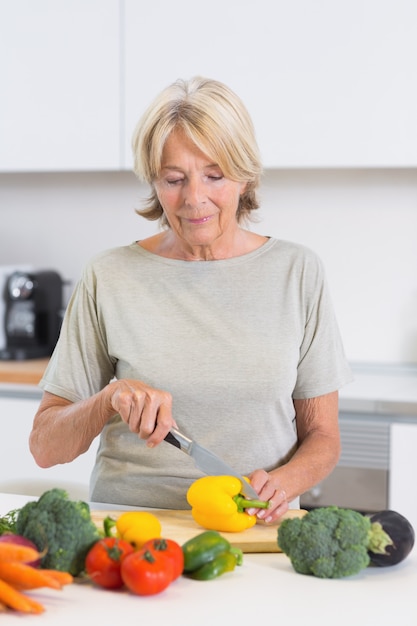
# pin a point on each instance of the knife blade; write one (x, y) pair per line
(208, 462)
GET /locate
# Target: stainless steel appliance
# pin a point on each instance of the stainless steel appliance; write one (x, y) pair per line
(33, 314)
(360, 479)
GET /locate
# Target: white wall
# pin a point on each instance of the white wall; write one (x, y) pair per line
(363, 223)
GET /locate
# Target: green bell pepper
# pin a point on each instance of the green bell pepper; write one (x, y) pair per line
(208, 555)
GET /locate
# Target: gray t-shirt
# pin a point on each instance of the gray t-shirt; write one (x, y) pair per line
(233, 341)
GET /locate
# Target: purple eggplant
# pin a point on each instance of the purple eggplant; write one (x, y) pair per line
(400, 533)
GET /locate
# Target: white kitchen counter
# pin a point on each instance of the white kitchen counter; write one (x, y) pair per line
(382, 389)
(264, 590)
(379, 389)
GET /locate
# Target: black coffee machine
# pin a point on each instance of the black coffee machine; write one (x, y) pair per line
(33, 316)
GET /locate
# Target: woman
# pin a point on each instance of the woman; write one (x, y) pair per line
(206, 326)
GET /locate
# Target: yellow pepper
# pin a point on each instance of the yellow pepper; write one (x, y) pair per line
(217, 504)
(137, 527)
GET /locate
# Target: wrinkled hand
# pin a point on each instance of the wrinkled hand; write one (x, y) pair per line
(269, 490)
(146, 410)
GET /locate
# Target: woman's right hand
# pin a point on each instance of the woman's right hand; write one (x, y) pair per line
(147, 411)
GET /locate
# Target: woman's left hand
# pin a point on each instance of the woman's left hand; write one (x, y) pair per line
(266, 486)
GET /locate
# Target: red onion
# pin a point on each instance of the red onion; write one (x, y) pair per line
(22, 541)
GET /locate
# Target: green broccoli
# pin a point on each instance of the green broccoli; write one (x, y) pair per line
(8, 522)
(60, 526)
(329, 542)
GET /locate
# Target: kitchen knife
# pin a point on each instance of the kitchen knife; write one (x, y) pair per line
(208, 462)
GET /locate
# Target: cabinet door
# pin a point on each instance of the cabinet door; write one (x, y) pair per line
(59, 69)
(328, 84)
(18, 470)
(403, 471)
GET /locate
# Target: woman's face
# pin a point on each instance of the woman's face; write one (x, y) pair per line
(199, 203)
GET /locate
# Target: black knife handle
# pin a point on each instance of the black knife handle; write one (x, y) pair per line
(179, 440)
(171, 439)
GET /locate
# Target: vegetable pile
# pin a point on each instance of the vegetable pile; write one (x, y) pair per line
(148, 566)
(50, 537)
(136, 557)
(114, 563)
(62, 529)
(17, 575)
(50, 541)
(58, 541)
(332, 542)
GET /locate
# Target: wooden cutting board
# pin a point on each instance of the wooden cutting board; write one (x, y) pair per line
(180, 526)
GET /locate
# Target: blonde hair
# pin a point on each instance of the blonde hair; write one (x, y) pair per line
(216, 120)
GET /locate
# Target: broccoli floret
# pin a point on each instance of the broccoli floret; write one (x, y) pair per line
(61, 527)
(327, 542)
(8, 522)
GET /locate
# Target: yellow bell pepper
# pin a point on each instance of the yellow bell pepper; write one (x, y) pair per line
(217, 504)
(137, 527)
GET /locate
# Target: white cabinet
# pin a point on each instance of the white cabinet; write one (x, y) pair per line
(403, 492)
(328, 84)
(60, 85)
(18, 470)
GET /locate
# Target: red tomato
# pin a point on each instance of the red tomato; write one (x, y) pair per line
(147, 572)
(170, 549)
(104, 559)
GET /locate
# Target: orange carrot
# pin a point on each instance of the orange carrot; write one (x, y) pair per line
(63, 578)
(25, 576)
(18, 601)
(16, 552)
